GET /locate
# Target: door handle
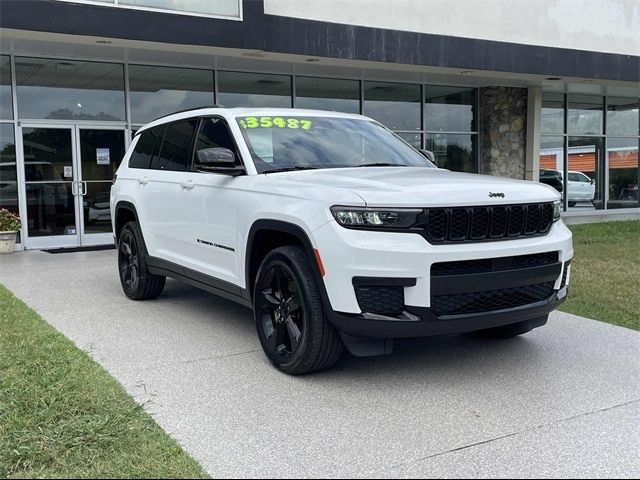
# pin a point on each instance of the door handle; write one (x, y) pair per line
(74, 189)
(143, 180)
(85, 189)
(188, 185)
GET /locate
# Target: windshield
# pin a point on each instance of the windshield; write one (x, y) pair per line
(296, 142)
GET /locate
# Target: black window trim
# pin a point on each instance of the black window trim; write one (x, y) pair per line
(236, 152)
(154, 152)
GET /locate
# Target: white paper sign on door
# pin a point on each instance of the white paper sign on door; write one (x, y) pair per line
(68, 172)
(103, 155)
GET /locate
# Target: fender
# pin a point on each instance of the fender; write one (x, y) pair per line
(123, 205)
(290, 229)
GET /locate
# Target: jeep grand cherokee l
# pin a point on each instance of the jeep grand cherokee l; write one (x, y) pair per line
(335, 231)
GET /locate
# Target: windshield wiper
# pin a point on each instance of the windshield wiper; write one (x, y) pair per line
(381, 165)
(290, 169)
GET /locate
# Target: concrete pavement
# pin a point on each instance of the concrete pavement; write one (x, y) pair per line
(562, 401)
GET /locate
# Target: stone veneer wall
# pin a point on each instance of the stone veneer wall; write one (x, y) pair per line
(503, 115)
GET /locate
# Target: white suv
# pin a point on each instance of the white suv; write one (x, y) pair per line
(334, 231)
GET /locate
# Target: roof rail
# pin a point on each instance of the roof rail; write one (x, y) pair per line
(188, 110)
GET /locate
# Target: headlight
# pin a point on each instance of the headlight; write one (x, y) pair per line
(355, 217)
(557, 210)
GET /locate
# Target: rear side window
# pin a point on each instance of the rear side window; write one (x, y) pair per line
(175, 153)
(148, 145)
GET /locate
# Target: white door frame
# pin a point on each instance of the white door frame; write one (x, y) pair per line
(79, 238)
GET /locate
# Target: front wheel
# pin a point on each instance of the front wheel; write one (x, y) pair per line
(292, 327)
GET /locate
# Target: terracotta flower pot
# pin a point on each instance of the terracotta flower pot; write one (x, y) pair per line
(8, 242)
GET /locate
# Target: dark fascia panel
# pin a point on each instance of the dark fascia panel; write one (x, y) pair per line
(315, 38)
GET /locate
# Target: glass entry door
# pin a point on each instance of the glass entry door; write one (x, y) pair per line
(67, 178)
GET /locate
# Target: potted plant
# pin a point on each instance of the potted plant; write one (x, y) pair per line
(9, 226)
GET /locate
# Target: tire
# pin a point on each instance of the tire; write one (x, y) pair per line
(137, 283)
(513, 330)
(294, 332)
(572, 204)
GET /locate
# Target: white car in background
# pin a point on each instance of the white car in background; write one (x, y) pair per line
(580, 188)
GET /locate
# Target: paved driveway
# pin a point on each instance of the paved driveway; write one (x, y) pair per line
(563, 400)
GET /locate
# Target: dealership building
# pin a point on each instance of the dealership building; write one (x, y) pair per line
(544, 90)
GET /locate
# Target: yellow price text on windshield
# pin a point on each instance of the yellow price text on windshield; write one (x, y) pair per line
(275, 122)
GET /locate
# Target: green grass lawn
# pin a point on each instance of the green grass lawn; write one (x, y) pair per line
(62, 415)
(605, 273)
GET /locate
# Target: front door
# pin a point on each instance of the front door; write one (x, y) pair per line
(67, 176)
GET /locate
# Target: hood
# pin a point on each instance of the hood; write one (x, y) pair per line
(416, 186)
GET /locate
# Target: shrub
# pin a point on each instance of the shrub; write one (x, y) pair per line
(8, 221)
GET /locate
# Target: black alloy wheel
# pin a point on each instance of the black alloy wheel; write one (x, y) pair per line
(280, 311)
(128, 261)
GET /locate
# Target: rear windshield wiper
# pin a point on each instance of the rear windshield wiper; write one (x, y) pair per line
(290, 169)
(381, 165)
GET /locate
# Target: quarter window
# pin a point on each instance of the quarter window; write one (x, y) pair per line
(148, 145)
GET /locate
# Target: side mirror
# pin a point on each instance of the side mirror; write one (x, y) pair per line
(221, 160)
(593, 181)
(428, 154)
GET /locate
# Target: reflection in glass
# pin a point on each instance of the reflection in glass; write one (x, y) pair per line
(159, 91)
(450, 109)
(585, 115)
(552, 162)
(623, 116)
(48, 169)
(97, 215)
(585, 176)
(552, 113)
(101, 152)
(454, 152)
(623, 172)
(236, 89)
(69, 90)
(8, 179)
(395, 105)
(6, 102)
(414, 139)
(227, 8)
(328, 94)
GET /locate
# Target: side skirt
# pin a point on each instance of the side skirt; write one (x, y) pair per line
(229, 291)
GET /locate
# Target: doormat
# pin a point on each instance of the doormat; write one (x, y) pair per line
(80, 249)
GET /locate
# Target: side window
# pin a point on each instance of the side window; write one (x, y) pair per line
(214, 133)
(148, 145)
(175, 153)
(573, 177)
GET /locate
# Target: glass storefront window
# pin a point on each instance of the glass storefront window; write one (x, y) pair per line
(237, 89)
(328, 94)
(69, 90)
(395, 105)
(8, 179)
(552, 162)
(159, 91)
(624, 172)
(454, 151)
(585, 115)
(623, 116)
(6, 102)
(552, 113)
(450, 109)
(585, 173)
(227, 8)
(414, 139)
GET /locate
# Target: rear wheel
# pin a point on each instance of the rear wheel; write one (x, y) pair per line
(137, 282)
(513, 330)
(292, 327)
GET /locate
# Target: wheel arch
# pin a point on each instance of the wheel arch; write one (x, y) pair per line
(125, 212)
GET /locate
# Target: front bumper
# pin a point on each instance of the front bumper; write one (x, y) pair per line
(347, 254)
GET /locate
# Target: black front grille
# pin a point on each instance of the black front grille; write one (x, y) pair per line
(478, 224)
(490, 300)
(486, 265)
(382, 300)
